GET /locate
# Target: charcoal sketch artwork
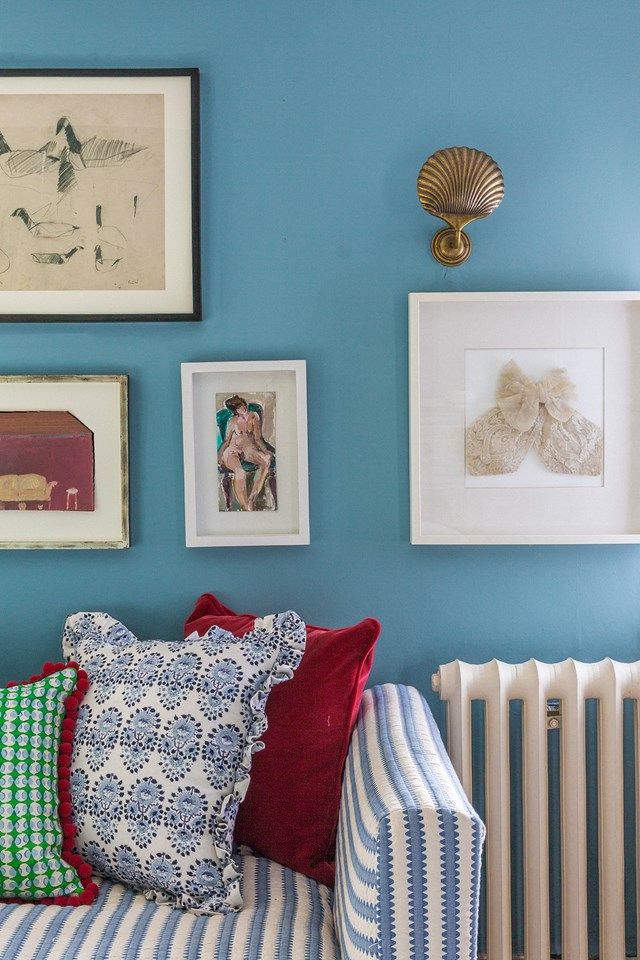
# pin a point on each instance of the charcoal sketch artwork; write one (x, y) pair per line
(47, 230)
(105, 264)
(82, 199)
(55, 258)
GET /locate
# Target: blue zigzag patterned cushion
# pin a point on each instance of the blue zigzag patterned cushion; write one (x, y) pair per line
(163, 747)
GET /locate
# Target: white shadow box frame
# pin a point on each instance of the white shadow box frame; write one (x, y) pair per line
(458, 344)
(207, 523)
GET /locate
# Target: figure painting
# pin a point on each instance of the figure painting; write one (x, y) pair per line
(82, 201)
(246, 442)
(46, 461)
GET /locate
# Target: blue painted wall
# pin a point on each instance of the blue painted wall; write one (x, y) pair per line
(316, 118)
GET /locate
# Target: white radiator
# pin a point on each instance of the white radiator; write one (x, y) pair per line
(571, 683)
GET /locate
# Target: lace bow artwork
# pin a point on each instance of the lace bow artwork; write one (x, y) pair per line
(530, 415)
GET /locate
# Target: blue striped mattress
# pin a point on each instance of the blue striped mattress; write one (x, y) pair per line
(285, 917)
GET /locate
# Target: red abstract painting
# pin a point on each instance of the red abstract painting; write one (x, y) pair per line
(46, 461)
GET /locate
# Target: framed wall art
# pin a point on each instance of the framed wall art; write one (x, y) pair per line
(99, 195)
(525, 417)
(64, 462)
(245, 453)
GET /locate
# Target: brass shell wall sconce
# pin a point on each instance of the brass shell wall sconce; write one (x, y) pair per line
(458, 185)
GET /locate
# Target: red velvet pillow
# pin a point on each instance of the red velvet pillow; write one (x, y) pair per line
(290, 813)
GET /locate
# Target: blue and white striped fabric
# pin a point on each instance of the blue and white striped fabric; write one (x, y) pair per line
(408, 872)
(409, 843)
(285, 917)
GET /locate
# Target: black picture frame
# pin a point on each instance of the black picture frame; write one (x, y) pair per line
(190, 315)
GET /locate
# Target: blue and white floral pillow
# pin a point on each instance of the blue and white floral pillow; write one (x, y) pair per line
(163, 747)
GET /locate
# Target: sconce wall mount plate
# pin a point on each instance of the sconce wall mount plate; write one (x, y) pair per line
(458, 185)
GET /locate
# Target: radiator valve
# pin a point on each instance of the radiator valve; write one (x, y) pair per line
(554, 715)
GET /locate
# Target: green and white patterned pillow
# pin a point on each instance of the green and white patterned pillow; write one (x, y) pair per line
(36, 833)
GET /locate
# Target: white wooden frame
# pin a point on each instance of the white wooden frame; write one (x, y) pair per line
(194, 538)
(423, 530)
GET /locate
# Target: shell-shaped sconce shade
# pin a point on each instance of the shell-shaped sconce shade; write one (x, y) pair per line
(458, 185)
(460, 182)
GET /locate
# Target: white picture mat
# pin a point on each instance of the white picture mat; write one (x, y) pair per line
(177, 297)
(206, 525)
(444, 508)
(585, 368)
(98, 405)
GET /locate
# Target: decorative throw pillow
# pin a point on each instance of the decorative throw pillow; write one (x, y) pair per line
(36, 830)
(290, 813)
(163, 749)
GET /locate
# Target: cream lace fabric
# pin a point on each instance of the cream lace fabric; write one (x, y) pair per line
(534, 415)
